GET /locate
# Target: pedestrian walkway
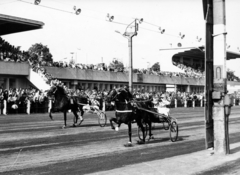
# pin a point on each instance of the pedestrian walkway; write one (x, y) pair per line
(194, 163)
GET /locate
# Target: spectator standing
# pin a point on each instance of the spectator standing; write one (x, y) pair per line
(1, 101)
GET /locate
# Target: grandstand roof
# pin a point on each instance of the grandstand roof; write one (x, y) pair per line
(198, 53)
(12, 24)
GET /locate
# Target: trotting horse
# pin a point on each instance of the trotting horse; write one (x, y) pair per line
(125, 113)
(64, 103)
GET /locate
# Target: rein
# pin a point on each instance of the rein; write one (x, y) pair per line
(124, 111)
(143, 101)
(82, 104)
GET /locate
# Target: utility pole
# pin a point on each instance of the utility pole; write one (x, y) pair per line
(217, 107)
(130, 68)
(221, 144)
(129, 36)
(208, 16)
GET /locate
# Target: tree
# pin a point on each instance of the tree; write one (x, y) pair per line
(231, 76)
(39, 52)
(156, 67)
(116, 64)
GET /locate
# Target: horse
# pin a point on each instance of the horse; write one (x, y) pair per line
(64, 103)
(152, 115)
(143, 106)
(125, 113)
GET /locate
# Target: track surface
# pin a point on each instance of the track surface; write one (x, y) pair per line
(33, 144)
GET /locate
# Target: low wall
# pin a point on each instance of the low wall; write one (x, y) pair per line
(12, 68)
(106, 76)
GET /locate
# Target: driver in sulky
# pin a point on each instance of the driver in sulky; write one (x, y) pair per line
(161, 104)
(94, 103)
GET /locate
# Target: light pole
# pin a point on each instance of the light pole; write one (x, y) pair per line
(77, 55)
(72, 56)
(129, 36)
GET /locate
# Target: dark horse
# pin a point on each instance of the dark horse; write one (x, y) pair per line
(125, 113)
(64, 103)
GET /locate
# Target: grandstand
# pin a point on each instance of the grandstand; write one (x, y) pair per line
(16, 74)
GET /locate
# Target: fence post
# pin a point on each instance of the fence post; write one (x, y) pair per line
(4, 107)
(103, 108)
(193, 103)
(49, 105)
(175, 102)
(185, 103)
(28, 106)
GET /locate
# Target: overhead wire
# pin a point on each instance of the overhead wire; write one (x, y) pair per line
(46, 7)
(8, 2)
(155, 31)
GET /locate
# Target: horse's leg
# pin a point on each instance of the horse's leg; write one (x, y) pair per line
(75, 119)
(50, 114)
(80, 117)
(129, 134)
(150, 130)
(81, 112)
(139, 123)
(113, 119)
(65, 118)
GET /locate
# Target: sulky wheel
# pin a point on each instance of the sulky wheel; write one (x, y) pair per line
(140, 133)
(173, 131)
(102, 119)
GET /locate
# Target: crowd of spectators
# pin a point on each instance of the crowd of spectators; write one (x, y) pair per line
(14, 54)
(189, 71)
(30, 100)
(17, 100)
(180, 98)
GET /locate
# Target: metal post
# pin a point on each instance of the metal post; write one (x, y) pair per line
(130, 63)
(220, 78)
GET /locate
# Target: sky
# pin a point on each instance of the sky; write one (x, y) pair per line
(90, 38)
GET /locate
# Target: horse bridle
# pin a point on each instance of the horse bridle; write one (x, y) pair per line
(55, 90)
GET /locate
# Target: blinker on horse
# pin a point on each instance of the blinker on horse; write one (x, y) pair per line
(125, 113)
(64, 103)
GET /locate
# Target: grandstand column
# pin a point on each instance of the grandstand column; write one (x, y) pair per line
(85, 86)
(75, 83)
(108, 87)
(188, 88)
(175, 88)
(7, 83)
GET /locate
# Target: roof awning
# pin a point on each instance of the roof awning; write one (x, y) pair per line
(12, 24)
(198, 53)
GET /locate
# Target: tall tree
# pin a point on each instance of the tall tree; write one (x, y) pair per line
(116, 64)
(39, 52)
(156, 67)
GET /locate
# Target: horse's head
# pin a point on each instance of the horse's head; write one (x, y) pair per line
(51, 92)
(56, 91)
(120, 95)
(112, 95)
